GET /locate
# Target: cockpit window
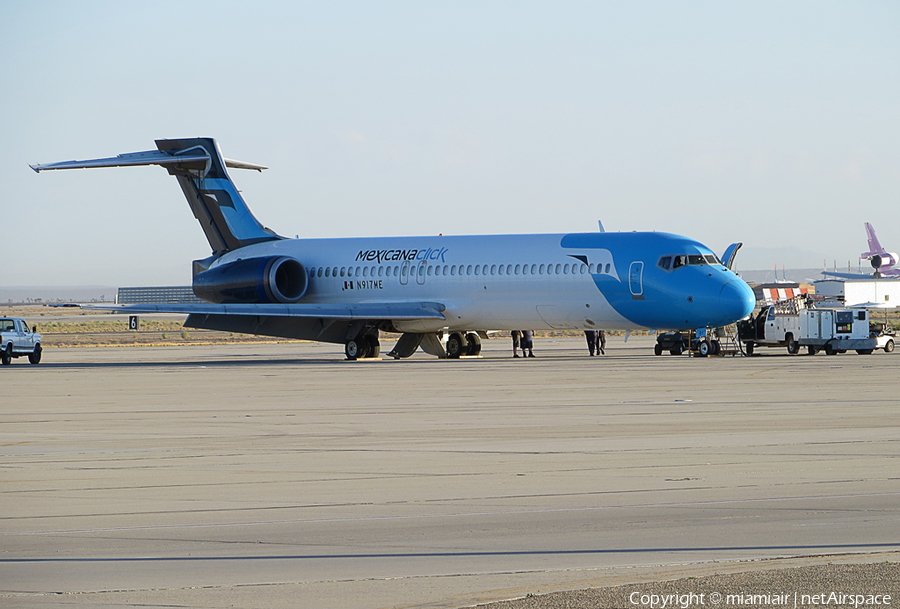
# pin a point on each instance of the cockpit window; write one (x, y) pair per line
(677, 261)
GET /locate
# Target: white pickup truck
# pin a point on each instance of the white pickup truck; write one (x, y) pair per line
(17, 340)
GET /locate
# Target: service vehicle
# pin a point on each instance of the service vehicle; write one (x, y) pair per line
(696, 342)
(16, 340)
(794, 324)
(777, 325)
(836, 331)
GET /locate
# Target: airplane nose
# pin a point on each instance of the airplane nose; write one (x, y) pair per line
(736, 301)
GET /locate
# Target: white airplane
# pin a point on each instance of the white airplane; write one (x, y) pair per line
(881, 260)
(349, 290)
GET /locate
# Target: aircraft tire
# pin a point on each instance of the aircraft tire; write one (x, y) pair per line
(351, 349)
(474, 342)
(35, 356)
(455, 346)
(889, 346)
(373, 346)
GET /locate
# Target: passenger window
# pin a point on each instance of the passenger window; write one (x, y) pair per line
(365, 271)
(453, 270)
(607, 268)
(484, 269)
(343, 271)
(469, 270)
(665, 263)
(566, 270)
(541, 269)
(477, 269)
(493, 269)
(518, 268)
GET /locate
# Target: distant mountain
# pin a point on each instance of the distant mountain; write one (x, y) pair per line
(789, 274)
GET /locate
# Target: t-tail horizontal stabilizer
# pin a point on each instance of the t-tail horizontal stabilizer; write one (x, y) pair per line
(199, 168)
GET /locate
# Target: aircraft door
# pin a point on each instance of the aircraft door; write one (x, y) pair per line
(420, 272)
(404, 273)
(635, 280)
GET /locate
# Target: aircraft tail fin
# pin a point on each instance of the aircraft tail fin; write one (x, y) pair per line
(875, 248)
(199, 167)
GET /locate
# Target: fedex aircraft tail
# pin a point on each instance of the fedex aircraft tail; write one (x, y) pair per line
(199, 168)
(875, 248)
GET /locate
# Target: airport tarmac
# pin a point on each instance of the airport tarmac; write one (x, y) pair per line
(278, 475)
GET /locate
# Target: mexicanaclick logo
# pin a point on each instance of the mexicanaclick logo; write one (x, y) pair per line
(383, 255)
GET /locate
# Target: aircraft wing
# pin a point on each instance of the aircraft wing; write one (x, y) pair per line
(847, 275)
(350, 311)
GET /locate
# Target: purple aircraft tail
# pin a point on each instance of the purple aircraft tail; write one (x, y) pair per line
(875, 248)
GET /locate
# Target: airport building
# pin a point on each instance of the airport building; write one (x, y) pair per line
(882, 292)
(157, 295)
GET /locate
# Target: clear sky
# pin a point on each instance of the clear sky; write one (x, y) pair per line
(772, 123)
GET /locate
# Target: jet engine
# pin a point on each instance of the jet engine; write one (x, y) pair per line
(889, 259)
(273, 279)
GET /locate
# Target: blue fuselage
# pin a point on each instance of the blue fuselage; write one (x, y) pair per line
(499, 282)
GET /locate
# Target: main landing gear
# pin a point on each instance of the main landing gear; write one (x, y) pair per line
(363, 346)
(460, 343)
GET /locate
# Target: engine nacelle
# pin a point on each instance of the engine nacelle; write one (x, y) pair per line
(274, 279)
(889, 259)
